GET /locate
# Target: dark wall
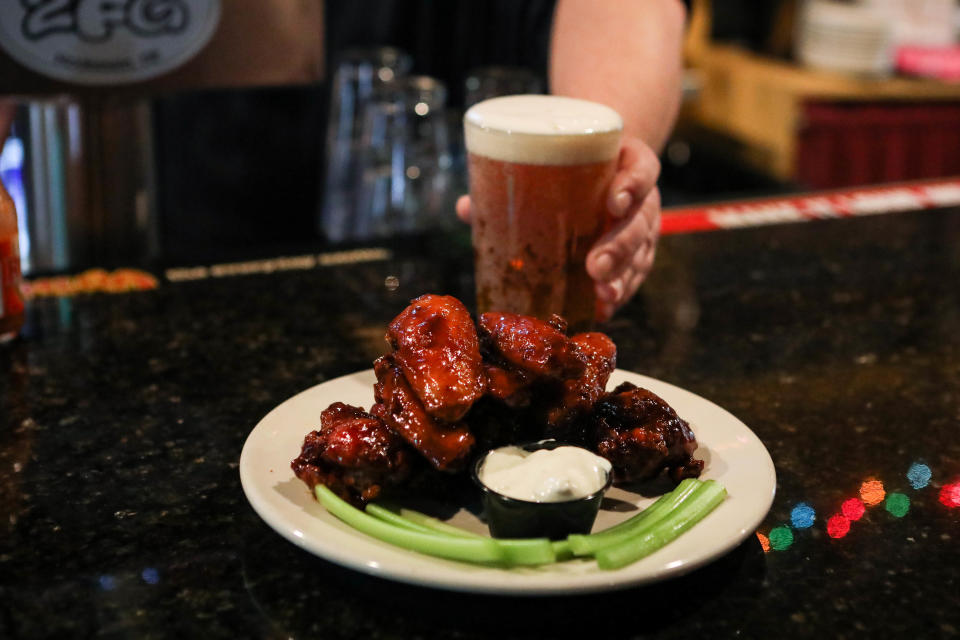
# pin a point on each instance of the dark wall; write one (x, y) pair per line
(237, 171)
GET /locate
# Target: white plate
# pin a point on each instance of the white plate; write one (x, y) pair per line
(734, 456)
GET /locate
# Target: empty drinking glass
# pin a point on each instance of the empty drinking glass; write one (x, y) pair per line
(406, 165)
(358, 74)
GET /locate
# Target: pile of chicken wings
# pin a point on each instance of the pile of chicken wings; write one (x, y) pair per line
(450, 390)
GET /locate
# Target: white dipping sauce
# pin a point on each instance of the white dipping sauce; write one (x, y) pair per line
(545, 475)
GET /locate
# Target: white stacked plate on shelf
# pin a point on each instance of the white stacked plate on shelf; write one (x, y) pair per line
(844, 37)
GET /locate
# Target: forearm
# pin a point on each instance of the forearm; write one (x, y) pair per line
(623, 53)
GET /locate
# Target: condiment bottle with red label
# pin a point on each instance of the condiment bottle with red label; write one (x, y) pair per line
(11, 297)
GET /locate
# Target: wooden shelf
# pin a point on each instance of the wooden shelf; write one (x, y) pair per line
(758, 101)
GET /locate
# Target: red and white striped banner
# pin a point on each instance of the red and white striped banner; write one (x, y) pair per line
(931, 194)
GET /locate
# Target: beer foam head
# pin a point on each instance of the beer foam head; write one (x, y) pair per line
(536, 129)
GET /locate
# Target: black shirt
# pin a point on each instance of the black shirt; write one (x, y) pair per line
(446, 38)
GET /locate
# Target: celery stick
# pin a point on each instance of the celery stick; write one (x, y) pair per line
(525, 551)
(382, 513)
(704, 500)
(383, 524)
(438, 526)
(476, 550)
(589, 544)
(639, 517)
(561, 548)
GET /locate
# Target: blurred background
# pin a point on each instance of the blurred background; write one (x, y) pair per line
(355, 137)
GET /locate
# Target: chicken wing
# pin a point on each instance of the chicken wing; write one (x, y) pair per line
(445, 446)
(577, 396)
(530, 345)
(507, 384)
(641, 435)
(353, 453)
(435, 345)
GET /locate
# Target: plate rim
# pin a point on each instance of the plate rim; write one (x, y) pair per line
(615, 580)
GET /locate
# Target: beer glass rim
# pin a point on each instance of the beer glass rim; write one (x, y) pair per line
(541, 130)
(470, 117)
(539, 134)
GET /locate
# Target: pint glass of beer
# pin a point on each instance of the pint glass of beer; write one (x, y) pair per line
(539, 167)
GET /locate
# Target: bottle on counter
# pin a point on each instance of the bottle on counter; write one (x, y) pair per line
(11, 297)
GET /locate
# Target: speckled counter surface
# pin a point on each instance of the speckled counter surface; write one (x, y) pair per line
(122, 418)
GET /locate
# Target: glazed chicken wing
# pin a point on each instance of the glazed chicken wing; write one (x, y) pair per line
(353, 453)
(435, 345)
(507, 384)
(445, 446)
(530, 345)
(640, 434)
(577, 396)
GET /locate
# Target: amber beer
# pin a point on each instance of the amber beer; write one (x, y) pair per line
(539, 168)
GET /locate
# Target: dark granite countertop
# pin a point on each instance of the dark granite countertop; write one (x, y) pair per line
(122, 418)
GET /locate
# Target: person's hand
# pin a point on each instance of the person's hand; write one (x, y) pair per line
(621, 259)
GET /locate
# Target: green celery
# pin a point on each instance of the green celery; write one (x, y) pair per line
(386, 525)
(388, 515)
(704, 500)
(436, 525)
(589, 544)
(528, 551)
(561, 548)
(476, 550)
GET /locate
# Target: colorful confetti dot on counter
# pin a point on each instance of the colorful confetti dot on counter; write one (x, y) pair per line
(872, 493)
(764, 542)
(852, 509)
(897, 504)
(802, 516)
(919, 475)
(950, 495)
(838, 526)
(781, 538)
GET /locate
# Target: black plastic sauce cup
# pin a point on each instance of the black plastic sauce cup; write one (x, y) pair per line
(512, 518)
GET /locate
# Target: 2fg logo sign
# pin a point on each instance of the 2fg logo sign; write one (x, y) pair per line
(105, 41)
(96, 21)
